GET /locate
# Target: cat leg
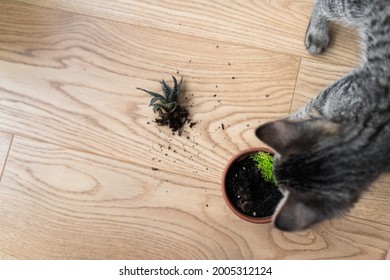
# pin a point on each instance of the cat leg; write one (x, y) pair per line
(324, 11)
(317, 32)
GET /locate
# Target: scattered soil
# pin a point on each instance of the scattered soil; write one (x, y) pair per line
(249, 192)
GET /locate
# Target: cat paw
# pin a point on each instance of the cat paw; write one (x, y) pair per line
(316, 41)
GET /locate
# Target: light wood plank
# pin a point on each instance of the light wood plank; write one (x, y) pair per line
(56, 203)
(374, 203)
(71, 80)
(272, 25)
(5, 144)
(59, 203)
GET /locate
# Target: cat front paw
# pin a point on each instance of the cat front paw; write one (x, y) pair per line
(316, 41)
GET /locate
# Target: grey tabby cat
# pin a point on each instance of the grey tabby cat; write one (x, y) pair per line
(330, 151)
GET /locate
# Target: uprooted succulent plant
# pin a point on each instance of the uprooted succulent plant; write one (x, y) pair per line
(168, 101)
(170, 112)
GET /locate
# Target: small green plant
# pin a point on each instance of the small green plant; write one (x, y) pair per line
(168, 101)
(264, 163)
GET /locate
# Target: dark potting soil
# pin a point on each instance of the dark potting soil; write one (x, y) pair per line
(249, 192)
(175, 120)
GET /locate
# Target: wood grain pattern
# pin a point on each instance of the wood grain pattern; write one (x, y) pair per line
(59, 203)
(272, 25)
(374, 202)
(5, 144)
(77, 88)
(89, 175)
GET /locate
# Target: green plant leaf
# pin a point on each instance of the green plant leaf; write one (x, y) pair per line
(154, 100)
(176, 89)
(264, 162)
(152, 93)
(168, 102)
(166, 89)
(173, 95)
(168, 107)
(156, 107)
(179, 86)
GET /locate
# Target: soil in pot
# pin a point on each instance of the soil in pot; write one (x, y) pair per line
(247, 190)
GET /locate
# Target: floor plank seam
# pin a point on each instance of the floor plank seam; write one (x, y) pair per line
(6, 157)
(295, 85)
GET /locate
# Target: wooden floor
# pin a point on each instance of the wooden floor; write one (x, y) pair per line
(87, 174)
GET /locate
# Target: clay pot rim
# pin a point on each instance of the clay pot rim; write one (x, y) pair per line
(235, 157)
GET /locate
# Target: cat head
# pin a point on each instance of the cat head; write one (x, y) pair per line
(310, 171)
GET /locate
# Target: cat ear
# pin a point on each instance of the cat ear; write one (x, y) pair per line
(286, 136)
(295, 215)
(278, 135)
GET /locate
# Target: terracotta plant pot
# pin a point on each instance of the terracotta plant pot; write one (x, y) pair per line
(229, 197)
